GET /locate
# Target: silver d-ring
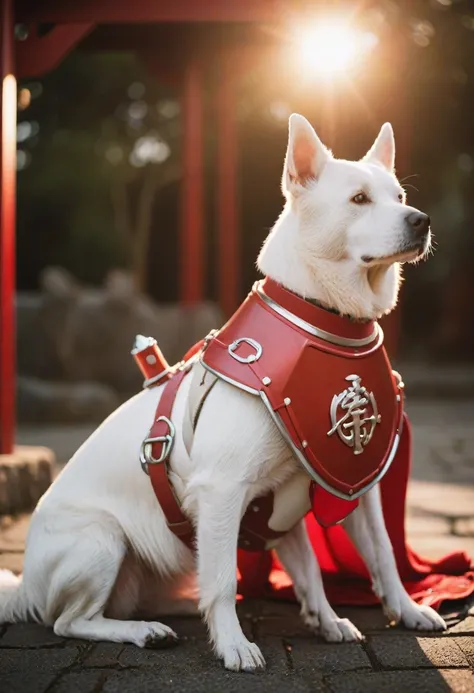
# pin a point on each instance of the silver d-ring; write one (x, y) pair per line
(251, 342)
(167, 441)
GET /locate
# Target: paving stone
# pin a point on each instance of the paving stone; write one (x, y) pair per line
(273, 607)
(367, 619)
(278, 655)
(401, 652)
(313, 657)
(26, 681)
(467, 646)
(193, 639)
(282, 626)
(434, 547)
(41, 661)
(80, 682)
(197, 656)
(286, 616)
(30, 635)
(104, 654)
(441, 500)
(189, 627)
(460, 681)
(188, 681)
(432, 681)
(194, 627)
(465, 626)
(195, 652)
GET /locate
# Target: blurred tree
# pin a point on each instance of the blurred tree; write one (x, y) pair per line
(100, 140)
(97, 139)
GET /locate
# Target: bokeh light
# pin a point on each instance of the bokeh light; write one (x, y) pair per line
(24, 99)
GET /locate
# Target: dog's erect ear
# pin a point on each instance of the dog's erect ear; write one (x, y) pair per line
(382, 151)
(305, 157)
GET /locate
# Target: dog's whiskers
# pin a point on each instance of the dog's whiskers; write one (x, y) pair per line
(412, 175)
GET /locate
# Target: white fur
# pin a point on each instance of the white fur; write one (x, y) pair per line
(99, 551)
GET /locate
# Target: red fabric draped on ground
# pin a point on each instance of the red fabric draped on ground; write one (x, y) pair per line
(345, 577)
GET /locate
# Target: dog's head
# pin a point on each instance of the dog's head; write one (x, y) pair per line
(348, 221)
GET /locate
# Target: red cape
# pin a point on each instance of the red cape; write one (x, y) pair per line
(345, 576)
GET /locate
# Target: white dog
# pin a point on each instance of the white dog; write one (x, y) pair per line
(99, 550)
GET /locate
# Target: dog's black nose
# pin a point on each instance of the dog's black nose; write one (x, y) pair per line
(419, 223)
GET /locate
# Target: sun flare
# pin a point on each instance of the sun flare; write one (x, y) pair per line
(333, 47)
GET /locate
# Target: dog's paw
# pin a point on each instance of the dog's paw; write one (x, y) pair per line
(412, 615)
(421, 617)
(331, 627)
(156, 636)
(241, 655)
(335, 629)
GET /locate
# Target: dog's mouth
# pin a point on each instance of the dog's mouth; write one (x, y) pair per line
(411, 254)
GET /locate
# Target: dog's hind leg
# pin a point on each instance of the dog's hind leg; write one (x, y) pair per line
(297, 557)
(82, 582)
(366, 527)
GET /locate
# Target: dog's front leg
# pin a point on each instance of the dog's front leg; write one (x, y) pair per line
(366, 527)
(297, 557)
(219, 514)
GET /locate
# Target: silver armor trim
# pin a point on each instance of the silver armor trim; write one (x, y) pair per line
(314, 475)
(316, 331)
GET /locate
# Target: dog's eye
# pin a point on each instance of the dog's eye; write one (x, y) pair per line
(400, 197)
(360, 199)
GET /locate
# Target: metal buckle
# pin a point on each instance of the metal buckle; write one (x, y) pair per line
(248, 359)
(167, 441)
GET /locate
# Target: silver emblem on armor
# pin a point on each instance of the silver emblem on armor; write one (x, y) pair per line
(354, 415)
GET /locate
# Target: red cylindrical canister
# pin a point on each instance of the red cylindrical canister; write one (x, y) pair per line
(150, 360)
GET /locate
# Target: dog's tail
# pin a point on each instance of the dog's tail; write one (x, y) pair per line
(13, 602)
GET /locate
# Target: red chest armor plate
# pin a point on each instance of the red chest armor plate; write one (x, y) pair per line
(326, 381)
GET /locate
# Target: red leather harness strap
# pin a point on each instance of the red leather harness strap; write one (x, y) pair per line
(158, 472)
(254, 530)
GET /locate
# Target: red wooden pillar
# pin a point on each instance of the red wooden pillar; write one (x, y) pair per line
(228, 261)
(192, 244)
(8, 99)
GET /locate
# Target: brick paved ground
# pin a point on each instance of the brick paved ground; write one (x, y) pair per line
(391, 660)
(34, 660)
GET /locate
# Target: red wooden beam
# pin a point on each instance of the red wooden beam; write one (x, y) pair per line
(37, 55)
(229, 260)
(121, 11)
(191, 242)
(8, 105)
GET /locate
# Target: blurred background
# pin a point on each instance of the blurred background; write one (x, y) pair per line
(105, 148)
(149, 149)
